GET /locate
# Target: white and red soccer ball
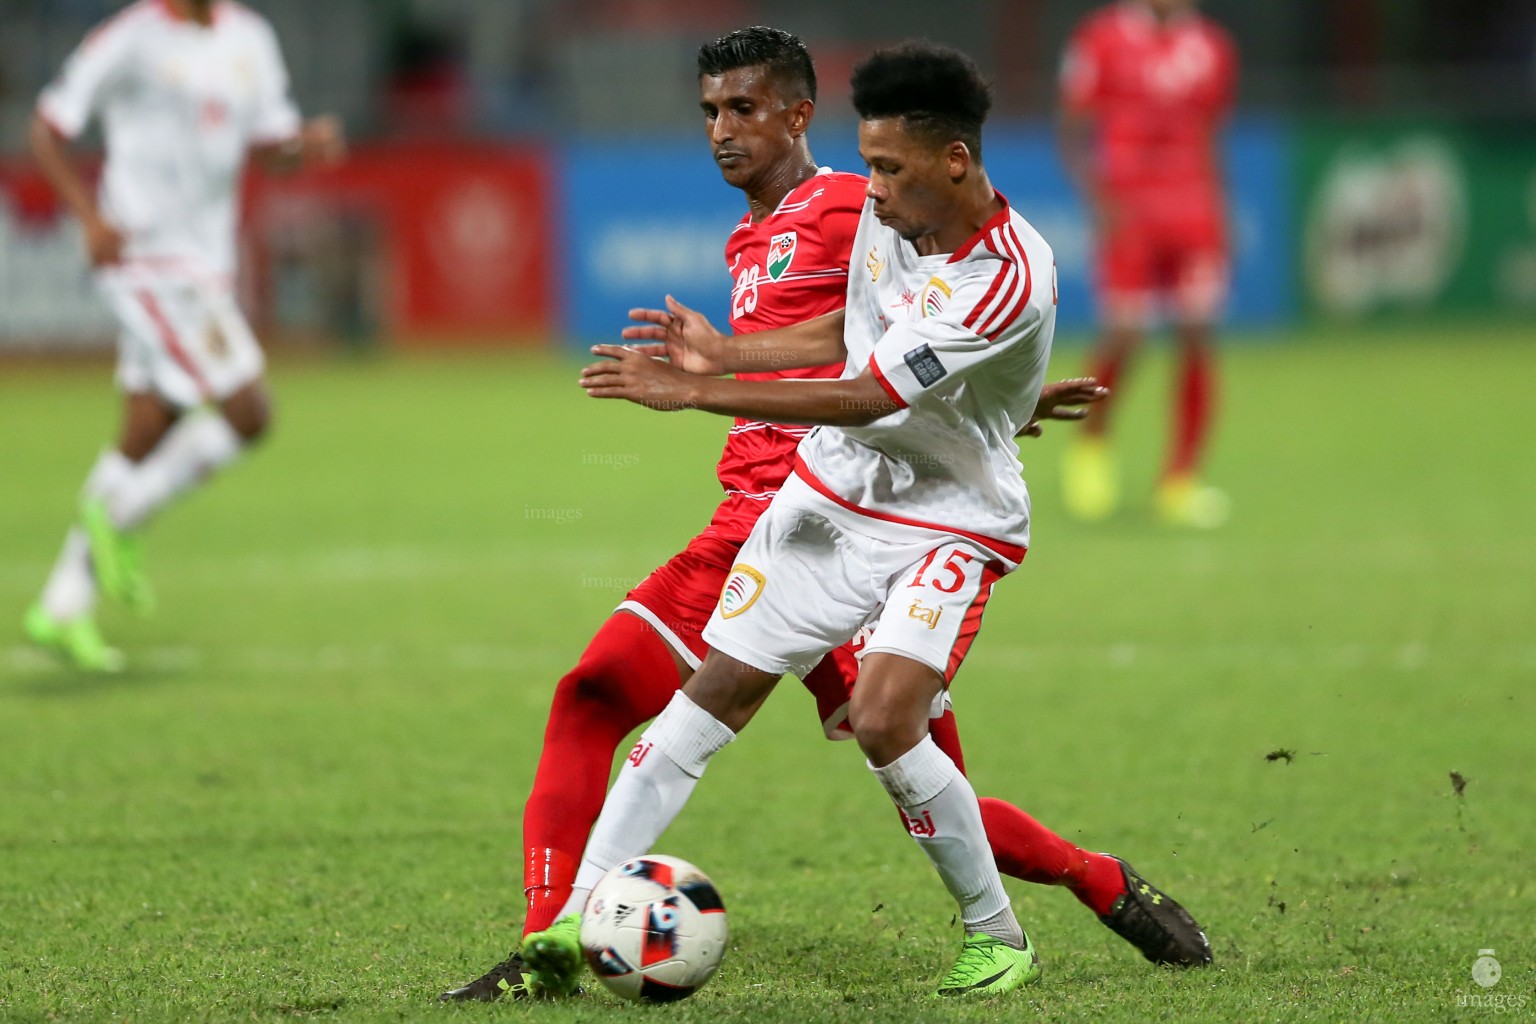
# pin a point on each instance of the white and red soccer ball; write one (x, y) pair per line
(654, 929)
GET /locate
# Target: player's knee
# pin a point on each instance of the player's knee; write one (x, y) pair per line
(249, 413)
(884, 732)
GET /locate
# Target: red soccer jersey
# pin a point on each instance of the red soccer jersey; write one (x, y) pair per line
(1157, 94)
(790, 267)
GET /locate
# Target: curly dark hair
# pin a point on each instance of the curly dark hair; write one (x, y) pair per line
(939, 92)
(781, 52)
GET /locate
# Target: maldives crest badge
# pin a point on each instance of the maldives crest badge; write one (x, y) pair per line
(781, 253)
(741, 589)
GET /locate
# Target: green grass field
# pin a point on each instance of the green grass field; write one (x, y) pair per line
(303, 799)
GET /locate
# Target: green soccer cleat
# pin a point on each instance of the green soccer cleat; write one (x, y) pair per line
(117, 557)
(989, 966)
(77, 642)
(553, 958)
(1090, 481)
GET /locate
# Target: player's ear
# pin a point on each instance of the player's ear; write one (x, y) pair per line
(800, 116)
(958, 156)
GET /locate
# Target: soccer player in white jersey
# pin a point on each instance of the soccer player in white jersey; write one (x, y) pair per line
(185, 90)
(905, 506)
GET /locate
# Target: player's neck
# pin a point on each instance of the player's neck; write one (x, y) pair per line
(199, 11)
(764, 197)
(979, 204)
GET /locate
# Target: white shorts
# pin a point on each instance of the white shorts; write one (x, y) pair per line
(812, 575)
(183, 337)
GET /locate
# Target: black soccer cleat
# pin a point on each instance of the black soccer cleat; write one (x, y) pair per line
(508, 978)
(1154, 923)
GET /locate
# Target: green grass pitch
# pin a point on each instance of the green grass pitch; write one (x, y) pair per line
(303, 800)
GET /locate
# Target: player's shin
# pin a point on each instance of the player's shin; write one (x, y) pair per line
(198, 445)
(940, 810)
(656, 781)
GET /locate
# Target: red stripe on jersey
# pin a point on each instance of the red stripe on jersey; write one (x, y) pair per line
(874, 368)
(971, 624)
(172, 343)
(997, 282)
(1006, 299)
(1013, 552)
(997, 323)
(997, 220)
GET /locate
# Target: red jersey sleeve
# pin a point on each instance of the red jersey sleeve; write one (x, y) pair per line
(1082, 71)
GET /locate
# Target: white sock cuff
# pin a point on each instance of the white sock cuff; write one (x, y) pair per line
(111, 469)
(917, 776)
(687, 734)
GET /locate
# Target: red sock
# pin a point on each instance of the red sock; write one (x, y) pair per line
(1027, 850)
(1107, 371)
(625, 677)
(1192, 417)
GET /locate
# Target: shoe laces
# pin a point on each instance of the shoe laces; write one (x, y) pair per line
(977, 958)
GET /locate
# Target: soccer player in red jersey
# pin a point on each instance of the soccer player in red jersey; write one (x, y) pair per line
(788, 259)
(1145, 88)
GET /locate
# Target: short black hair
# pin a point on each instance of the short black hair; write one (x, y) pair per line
(781, 52)
(938, 91)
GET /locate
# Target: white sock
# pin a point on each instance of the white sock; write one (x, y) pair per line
(651, 789)
(71, 588)
(941, 812)
(198, 444)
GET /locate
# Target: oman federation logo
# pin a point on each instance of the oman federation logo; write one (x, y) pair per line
(935, 294)
(781, 253)
(742, 587)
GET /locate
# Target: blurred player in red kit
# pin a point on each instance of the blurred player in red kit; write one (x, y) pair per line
(1145, 88)
(789, 261)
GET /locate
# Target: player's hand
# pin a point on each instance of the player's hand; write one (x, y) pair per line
(103, 242)
(1064, 400)
(322, 140)
(635, 375)
(686, 337)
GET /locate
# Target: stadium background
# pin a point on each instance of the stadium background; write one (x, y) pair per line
(303, 797)
(526, 170)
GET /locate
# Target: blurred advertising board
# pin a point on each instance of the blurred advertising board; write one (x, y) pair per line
(1411, 218)
(425, 243)
(47, 297)
(661, 225)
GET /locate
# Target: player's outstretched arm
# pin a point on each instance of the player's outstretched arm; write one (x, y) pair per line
(633, 375)
(103, 242)
(1064, 400)
(320, 141)
(690, 341)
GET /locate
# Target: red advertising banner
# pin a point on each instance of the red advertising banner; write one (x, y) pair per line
(444, 242)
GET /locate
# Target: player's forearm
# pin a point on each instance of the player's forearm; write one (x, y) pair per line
(51, 152)
(833, 403)
(1074, 140)
(815, 342)
(279, 157)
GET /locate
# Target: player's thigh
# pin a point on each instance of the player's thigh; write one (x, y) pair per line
(801, 586)
(934, 603)
(181, 339)
(678, 598)
(1125, 274)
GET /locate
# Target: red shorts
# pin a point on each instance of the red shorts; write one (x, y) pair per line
(678, 599)
(1165, 253)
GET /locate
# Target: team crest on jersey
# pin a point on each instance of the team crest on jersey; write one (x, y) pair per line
(781, 253)
(742, 587)
(935, 294)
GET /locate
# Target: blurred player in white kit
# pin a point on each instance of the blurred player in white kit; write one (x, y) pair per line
(184, 91)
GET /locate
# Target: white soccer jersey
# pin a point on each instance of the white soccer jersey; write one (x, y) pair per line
(180, 105)
(960, 341)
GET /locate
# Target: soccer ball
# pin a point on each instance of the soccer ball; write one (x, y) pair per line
(654, 929)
